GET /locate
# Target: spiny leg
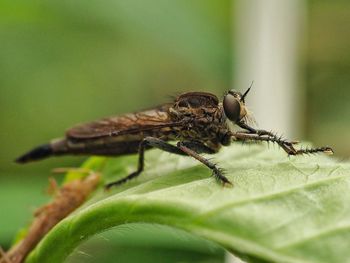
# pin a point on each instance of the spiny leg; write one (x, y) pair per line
(152, 142)
(199, 147)
(191, 148)
(245, 126)
(255, 137)
(216, 171)
(264, 132)
(326, 150)
(285, 145)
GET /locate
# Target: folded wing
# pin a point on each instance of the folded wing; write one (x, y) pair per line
(125, 124)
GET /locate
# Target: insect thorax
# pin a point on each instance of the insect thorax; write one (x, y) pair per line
(200, 123)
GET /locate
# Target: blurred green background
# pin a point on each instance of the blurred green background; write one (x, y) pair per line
(64, 62)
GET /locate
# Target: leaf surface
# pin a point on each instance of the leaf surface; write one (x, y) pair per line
(283, 209)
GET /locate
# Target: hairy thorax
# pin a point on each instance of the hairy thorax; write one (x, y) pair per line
(205, 123)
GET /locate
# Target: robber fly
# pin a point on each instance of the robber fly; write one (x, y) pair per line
(198, 121)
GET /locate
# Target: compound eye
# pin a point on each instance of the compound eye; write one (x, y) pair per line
(232, 107)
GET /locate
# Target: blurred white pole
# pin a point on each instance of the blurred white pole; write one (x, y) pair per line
(267, 36)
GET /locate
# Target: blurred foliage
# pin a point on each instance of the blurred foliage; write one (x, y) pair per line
(64, 62)
(328, 74)
(67, 62)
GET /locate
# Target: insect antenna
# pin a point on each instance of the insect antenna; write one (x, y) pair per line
(246, 93)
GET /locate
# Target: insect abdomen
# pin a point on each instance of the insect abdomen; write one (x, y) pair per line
(38, 153)
(55, 147)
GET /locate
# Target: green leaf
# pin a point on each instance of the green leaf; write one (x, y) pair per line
(283, 209)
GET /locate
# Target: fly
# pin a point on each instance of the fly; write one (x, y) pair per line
(198, 121)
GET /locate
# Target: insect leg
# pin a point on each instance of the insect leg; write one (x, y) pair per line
(151, 142)
(217, 172)
(263, 132)
(199, 147)
(285, 145)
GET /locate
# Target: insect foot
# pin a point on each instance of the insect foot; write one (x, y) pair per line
(326, 150)
(218, 173)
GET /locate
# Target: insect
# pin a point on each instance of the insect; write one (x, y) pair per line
(198, 121)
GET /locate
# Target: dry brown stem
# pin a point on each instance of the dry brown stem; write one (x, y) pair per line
(66, 200)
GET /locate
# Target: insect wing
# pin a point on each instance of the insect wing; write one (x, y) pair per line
(120, 125)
